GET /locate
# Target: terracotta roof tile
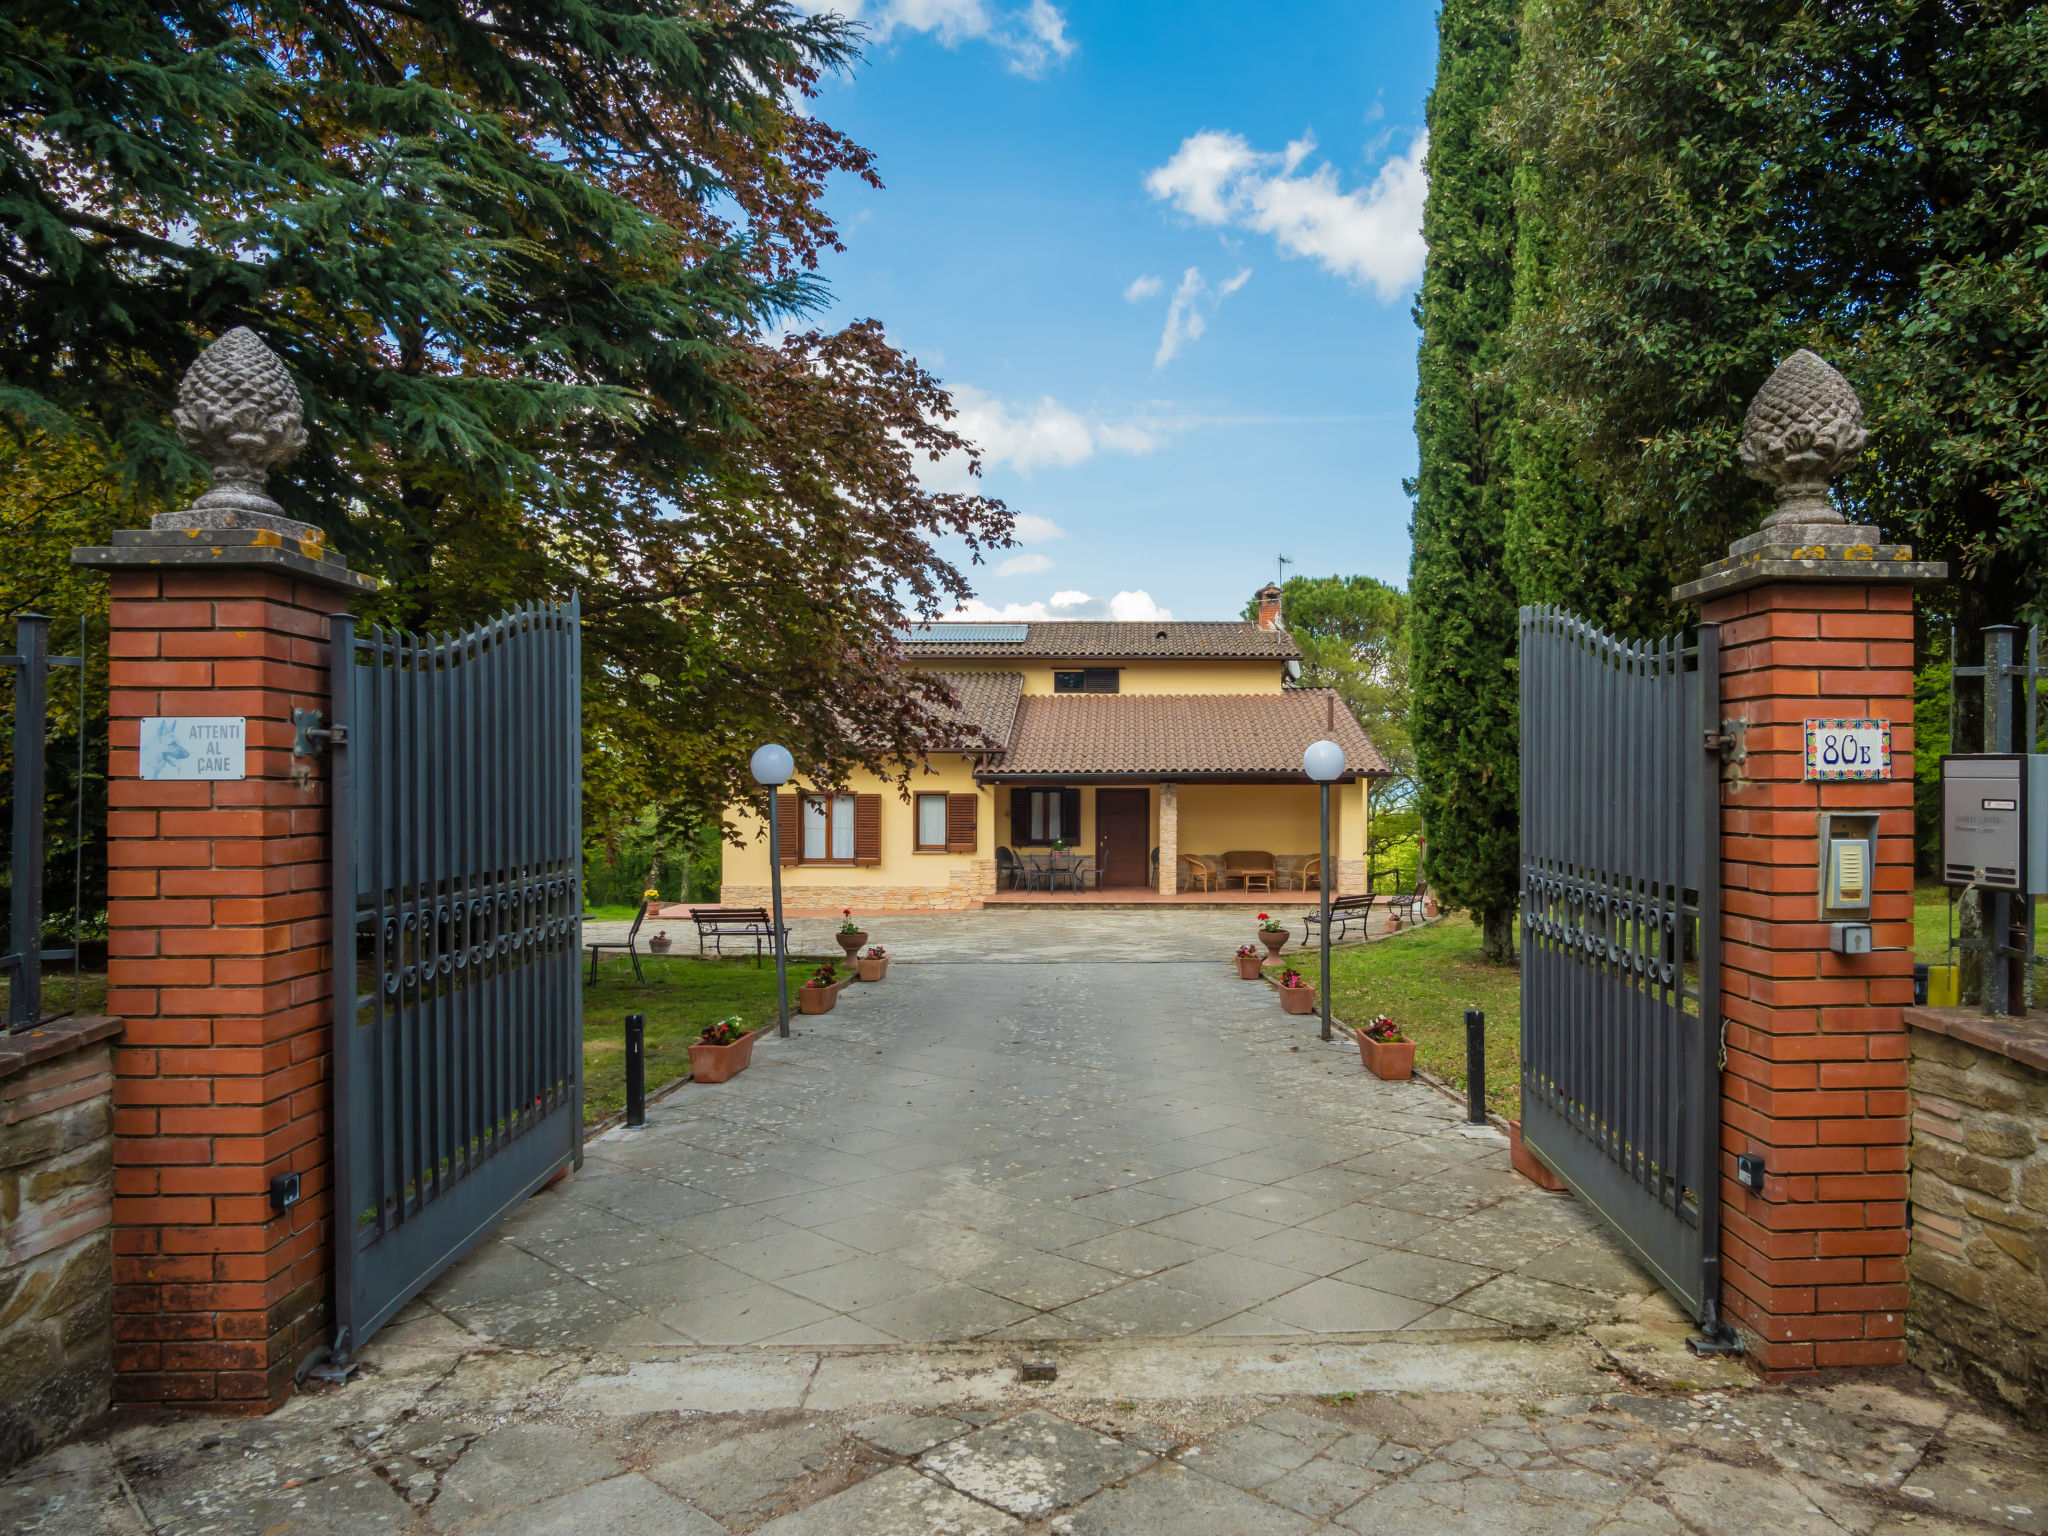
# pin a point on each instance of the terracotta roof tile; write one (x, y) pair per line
(1153, 734)
(986, 707)
(1105, 640)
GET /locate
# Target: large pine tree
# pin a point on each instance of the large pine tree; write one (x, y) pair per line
(1464, 599)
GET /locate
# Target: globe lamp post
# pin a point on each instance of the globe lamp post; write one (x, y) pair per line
(772, 767)
(1324, 762)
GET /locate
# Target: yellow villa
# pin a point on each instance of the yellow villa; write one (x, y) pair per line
(1141, 760)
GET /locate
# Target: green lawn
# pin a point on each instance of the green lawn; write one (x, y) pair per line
(679, 998)
(618, 912)
(58, 996)
(1424, 980)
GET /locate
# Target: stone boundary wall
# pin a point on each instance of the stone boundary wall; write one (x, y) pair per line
(56, 1241)
(1979, 1308)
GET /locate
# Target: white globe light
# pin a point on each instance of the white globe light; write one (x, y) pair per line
(1323, 761)
(772, 765)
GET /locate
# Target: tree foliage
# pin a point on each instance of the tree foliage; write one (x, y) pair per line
(1728, 182)
(1464, 599)
(528, 266)
(1353, 634)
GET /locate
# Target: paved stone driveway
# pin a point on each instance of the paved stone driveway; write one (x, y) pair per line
(1038, 1152)
(444, 1434)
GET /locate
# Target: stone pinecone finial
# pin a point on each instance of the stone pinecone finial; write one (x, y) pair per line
(239, 408)
(1804, 426)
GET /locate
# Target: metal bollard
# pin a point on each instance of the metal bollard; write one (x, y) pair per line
(1475, 1066)
(636, 1070)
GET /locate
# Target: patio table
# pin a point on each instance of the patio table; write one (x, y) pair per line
(1052, 866)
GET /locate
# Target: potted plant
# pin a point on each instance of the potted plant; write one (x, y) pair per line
(1296, 995)
(1393, 921)
(652, 898)
(1387, 1053)
(661, 943)
(1272, 933)
(1250, 963)
(874, 965)
(850, 934)
(821, 993)
(724, 1050)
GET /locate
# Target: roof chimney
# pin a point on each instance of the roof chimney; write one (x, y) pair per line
(1269, 606)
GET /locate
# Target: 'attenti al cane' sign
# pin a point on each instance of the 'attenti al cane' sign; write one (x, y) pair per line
(193, 747)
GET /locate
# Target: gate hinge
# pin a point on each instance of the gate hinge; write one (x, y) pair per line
(313, 737)
(1731, 741)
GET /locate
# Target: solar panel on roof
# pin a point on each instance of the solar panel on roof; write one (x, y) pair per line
(968, 634)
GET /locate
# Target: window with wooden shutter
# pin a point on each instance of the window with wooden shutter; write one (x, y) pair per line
(867, 829)
(789, 829)
(963, 823)
(1038, 816)
(1020, 815)
(1070, 815)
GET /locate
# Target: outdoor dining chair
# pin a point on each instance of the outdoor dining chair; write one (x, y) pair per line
(631, 944)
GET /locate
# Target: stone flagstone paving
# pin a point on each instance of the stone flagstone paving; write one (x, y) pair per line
(1041, 1152)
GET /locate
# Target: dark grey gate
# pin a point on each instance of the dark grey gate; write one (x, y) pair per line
(1621, 919)
(457, 890)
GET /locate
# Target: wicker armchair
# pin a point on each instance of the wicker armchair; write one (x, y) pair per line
(1202, 875)
(1308, 874)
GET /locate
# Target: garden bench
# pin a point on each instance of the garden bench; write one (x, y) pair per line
(1410, 903)
(720, 923)
(1344, 911)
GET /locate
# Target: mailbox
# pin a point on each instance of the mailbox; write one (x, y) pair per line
(1994, 821)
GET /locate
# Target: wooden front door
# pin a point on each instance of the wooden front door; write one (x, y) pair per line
(1122, 819)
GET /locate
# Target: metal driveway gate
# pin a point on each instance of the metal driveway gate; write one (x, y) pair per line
(457, 898)
(1621, 923)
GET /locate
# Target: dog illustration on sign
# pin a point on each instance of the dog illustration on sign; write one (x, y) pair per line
(189, 748)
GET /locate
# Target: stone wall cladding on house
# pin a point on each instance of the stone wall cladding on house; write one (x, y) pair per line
(1979, 1311)
(961, 893)
(56, 1250)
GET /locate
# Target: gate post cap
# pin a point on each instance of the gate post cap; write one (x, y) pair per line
(239, 408)
(1804, 426)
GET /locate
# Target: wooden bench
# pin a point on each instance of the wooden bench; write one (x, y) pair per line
(721, 923)
(1344, 911)
(1409, 903)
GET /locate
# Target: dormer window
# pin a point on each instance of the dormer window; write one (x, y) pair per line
(1088, 680)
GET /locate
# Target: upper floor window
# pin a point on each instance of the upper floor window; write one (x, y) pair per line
(1087, 680)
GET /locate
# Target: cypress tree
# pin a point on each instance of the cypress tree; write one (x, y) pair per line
(1464, 600)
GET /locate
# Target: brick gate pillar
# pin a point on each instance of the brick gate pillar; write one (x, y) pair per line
(218, 940)
(1816, 623)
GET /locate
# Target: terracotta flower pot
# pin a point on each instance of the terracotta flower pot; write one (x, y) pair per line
(810, 999)
(1273, 938)
(716, 1063)
(873, 969)
(1250, 967)
(1298, 999)
(1527, 1163)
(1391, 1060)
(660, 944)
(851, 942)
(1393, 922)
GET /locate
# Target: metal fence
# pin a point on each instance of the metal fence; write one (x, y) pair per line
(458, 1055)
(31, 664)
(1621, 934)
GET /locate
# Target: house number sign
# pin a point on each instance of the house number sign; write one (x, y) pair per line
(1848, 749)
(194, 747)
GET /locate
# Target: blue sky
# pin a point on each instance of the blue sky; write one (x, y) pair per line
(1164, 257)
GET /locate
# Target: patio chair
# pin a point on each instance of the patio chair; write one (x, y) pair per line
(1007, 863)
(1308, 874)
(1250, 866)
(630, 946)
(1202, 875)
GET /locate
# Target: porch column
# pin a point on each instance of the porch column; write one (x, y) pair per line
(1169, 839)
(217, 910)
(1816, 624)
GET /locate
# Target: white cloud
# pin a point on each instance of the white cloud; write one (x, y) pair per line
(1024, 565)
(1132, 607)
(1032, 37)
(1371, 236)
(1142, 288)
(1033, 529)
(1033, 436)
(1185, 321)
